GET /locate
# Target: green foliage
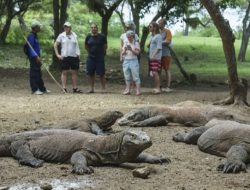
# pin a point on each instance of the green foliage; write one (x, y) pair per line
(82, 26)
(209, 31)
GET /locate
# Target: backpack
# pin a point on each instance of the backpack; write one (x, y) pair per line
(26, 46)
(26, 49)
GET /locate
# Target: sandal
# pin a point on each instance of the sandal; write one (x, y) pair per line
(126, 92)
(76, 90)
(156, 91)
(65, 90)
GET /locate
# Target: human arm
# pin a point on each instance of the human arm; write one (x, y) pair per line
(33, 48)
(56, 44)
(135, 49)
(105, 46)
(167, 41)
(86, 46)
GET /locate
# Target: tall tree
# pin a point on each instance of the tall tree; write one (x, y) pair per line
(105, 9)
(11, 8)
(238, 88)
(60, 16)
(245, 35)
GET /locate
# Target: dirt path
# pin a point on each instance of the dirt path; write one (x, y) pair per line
(190, 169)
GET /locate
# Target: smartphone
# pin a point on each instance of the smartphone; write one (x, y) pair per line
(128, 47)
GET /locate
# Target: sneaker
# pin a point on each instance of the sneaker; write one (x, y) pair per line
(38, 92)
(167, 89)
(47, 91)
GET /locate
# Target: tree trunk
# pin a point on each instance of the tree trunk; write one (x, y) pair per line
(243, 46)
(105, 21)
(186, 27)
(56, 7)
(6, 28)
(144, 36)
(60, 16)
(245, 36)
(136, 16)
(63, 13)
(238, 89)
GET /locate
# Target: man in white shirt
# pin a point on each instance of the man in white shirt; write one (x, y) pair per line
(69, 57)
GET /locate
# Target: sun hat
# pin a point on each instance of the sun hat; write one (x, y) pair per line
(35, 23)
(67, 24)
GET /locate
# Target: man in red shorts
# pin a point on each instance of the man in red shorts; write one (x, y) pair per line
(166, 56)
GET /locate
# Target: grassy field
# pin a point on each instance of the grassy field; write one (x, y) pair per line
(199, 55)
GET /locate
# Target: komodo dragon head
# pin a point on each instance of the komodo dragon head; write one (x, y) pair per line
(134, 142)
(106, 120)
(139, 114)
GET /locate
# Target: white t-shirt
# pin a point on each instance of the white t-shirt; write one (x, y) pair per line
(69, 44)
(129, 54)
(124, 38)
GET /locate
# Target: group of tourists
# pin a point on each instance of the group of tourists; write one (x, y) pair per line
(68, 53)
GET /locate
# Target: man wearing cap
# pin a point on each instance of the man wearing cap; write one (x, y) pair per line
(69, 57)
(33, 52)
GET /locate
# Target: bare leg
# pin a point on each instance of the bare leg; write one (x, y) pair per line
(138, 89)
(103, 82)
(168, 78)
(157, 81)
(91, 82)
(128, 88)
(74, 78)
(64, 78)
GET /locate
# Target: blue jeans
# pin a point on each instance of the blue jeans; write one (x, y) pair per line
(131, 70)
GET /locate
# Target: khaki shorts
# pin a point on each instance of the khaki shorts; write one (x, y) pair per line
(166, 62)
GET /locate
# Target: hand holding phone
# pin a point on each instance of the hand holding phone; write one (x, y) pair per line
(129, 47)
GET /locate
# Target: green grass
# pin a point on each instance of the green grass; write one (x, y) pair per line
(199, 55)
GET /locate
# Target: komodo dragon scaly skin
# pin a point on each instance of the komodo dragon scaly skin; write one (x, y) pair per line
(98, 125)
(188, 113)
(81, 149)
(228, 139)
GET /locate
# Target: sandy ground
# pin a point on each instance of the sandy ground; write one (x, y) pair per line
(190, 169)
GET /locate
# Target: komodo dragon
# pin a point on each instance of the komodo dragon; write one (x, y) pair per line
(188, 113)
(97, 125)
(228, 139)
(81, 149)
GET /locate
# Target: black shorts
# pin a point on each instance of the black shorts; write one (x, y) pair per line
(70, 63)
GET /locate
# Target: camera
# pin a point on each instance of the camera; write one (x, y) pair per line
(128, 47)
